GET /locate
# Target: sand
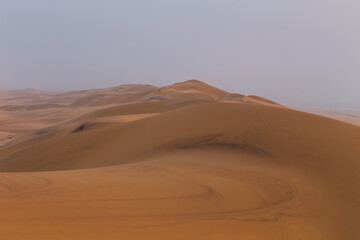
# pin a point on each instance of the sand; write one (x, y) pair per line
(194, 162)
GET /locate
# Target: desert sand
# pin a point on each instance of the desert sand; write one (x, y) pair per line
(185, 161)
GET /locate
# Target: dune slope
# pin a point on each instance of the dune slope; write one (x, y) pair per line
(252, 171)
(186, 167)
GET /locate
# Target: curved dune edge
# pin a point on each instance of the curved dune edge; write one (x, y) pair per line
(211, 170)
(231, 125)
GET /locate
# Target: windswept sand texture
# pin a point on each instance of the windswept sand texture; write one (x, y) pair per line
(186, 161)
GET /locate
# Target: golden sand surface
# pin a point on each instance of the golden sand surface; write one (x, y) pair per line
(186, 161)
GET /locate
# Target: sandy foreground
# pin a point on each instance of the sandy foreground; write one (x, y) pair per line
(186, 161)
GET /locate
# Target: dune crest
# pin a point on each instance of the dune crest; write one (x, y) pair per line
(185, 161)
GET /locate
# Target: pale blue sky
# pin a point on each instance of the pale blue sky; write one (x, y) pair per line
(297, 52)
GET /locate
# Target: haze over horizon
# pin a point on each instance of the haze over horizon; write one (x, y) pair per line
(299, 53)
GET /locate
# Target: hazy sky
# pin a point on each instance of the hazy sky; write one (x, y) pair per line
(297, 52)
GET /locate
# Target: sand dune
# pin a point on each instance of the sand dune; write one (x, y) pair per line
(191, 162)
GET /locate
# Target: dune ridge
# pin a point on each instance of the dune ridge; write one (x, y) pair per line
(185, 161)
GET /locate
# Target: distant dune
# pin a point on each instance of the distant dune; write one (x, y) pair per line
(185, 161)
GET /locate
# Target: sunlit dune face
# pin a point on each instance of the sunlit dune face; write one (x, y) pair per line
(187, 161)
